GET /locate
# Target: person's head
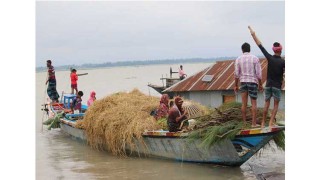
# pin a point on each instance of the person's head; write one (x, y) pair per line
(49, 63)
(92, 94)
(277, 48)
(80, 93)
(74, 70)
(164, 99)
(178, 101)
(245, 47)
(181, 67)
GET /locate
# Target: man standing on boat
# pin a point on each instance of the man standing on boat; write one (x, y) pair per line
(248, 72)
(51, 90)
(275, 74)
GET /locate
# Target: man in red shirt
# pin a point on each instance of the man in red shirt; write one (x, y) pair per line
(74, 79)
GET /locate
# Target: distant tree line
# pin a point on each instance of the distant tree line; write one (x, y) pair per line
(136, 63)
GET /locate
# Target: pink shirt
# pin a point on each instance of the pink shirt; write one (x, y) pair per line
(247, 68)
(181, 72)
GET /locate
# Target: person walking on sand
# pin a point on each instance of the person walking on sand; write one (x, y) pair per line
(248, 72)
(51, 89)
(74, 79)
(275, 73)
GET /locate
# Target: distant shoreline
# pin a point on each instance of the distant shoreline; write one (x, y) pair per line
(136, 63)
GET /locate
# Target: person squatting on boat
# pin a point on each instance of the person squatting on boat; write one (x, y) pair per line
(248, 72)
(74, 79)
(176, 115)
(275, 73)
(51, 90)
(182, 74)
(92, 98)
(163, 109)
(76, 102)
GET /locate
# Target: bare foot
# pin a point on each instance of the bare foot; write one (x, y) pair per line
(272, 125)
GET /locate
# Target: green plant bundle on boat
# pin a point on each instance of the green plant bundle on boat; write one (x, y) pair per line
(54, 122)
(224, 123)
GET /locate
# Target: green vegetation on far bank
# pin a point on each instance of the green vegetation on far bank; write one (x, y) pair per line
(136, 63)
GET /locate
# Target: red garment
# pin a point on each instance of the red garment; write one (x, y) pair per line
(74, 78)
(91, 98)
(51, 73)
(174, 113)
(163, 108)
(162, 111)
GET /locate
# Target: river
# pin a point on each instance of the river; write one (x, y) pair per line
(60, 157)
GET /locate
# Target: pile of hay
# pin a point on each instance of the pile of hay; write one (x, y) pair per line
(113, 122)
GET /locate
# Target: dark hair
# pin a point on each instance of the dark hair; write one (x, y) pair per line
(245, 47)
(181, 66)
(74, 70)
(80, 93)
(49, 61)
(276, 44)
(171, 103)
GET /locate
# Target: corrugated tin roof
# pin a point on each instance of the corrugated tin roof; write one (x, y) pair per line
(223, 78)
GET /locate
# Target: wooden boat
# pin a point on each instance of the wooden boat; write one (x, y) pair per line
(169, 81)
(175, 146)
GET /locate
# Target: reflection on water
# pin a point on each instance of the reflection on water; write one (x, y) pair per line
(58, 156)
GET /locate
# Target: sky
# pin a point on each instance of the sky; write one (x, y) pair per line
(69, 32)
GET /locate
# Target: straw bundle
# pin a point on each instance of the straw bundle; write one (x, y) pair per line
(113, 122)
(194, 109)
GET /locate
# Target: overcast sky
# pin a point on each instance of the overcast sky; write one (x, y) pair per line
(95, 32)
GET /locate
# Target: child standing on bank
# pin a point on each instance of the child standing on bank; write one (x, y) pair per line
(74, 79)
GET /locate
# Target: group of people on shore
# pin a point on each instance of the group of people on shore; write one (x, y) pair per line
(248, 73)
(54, 95)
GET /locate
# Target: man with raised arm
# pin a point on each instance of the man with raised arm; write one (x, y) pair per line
(276, 67)
(248, 73)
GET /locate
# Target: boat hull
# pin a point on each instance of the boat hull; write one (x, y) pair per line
(176, 146)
